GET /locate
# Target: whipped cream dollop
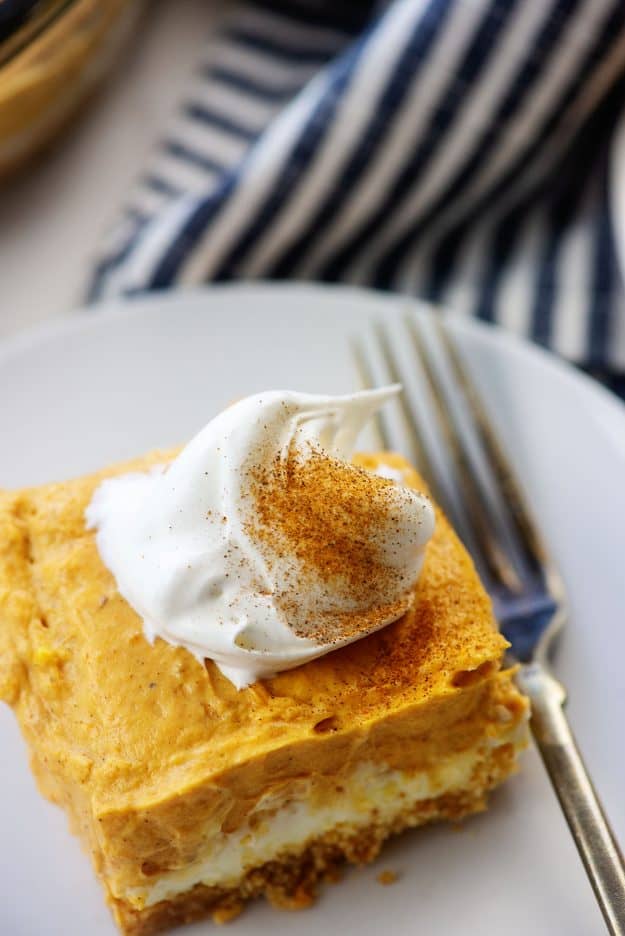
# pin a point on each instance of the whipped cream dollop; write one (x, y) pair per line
(261, 546)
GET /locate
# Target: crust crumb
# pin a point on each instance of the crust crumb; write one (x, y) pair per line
(227, 912)
(304, 896)
(385, 878)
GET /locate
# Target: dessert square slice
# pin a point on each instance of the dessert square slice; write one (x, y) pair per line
(191, 796)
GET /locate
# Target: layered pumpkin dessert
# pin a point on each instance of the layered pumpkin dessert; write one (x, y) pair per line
(240, 665)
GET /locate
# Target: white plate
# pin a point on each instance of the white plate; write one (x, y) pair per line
(91, 391)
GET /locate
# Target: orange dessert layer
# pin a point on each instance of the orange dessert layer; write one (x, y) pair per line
(188, 793)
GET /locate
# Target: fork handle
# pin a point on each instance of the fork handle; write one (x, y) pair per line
(587, 821)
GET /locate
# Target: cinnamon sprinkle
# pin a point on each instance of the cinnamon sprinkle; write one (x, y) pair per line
(337, 520)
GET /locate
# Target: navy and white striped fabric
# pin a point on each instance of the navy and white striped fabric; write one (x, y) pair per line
(457, 150)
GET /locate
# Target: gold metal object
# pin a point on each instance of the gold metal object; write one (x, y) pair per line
(51, 65)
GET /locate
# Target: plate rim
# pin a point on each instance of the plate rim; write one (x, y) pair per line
(85, 318)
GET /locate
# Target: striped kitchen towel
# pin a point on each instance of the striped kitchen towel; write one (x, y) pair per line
(457, 150)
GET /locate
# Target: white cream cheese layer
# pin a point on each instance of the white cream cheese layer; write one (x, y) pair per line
(370, 791)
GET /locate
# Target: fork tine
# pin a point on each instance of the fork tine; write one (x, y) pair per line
(424, 462)
(368, 382)
(411, 427)
(532, 547)
(477, 507)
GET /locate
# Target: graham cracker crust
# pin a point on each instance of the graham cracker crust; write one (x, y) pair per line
(292, 881)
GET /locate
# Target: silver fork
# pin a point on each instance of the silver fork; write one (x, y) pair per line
(528, 594)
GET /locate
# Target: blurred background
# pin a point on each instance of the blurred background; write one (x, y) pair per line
(469, 152)
(62, 179)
